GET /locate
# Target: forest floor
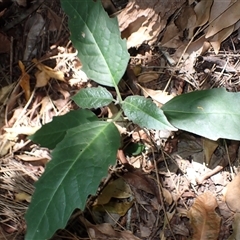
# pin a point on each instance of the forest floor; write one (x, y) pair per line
(170, 176)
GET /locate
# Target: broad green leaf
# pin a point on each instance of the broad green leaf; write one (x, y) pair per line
(93, 97)
(78, 164)
(213, 113)
(97, 38)
(145, 113)
(50, 134)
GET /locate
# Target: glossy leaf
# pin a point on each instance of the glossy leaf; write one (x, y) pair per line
(50, 134)
(213, 113)
(145, 113)
(93, 97)
(97, 38)
(78, 164)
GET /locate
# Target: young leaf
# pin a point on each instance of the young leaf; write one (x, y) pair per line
(93, 97)
(145, 113)
(97, 38)
(50, 134)
(79, 163)
(213, 113)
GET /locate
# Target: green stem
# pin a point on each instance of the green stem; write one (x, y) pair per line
(118, 115)
(119, 97)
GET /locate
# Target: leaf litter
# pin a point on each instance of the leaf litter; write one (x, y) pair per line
(177, 179)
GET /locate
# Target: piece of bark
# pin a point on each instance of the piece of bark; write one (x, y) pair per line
(143, 20)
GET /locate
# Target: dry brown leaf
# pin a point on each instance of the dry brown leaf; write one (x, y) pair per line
(4, 91)
(236, 227)
(26, 130)
(4, 43)
(55, 20)
(120, 124)
(172, 37)
(22, 196)
(5, 145)
(218, 38)
(226, 19)
(204, 220)
(167, 196)
(106, 231)
(30, 158)
(202, 10)
(42, 78)
(232, 194)
(115, 189)
(140, 134)
(25, 81)
(148, 77)
(157, 95)
(209, 146)
(218, 7)
(139, 181)
(148, 19)
(114, 206)
(49, 71)
(186, 23)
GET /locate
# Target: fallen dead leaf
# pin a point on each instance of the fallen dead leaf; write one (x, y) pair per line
(236, 228)
(5, 91)
(218, 38)
(232, 194)
(55, 20)
(49, 71)
(202, 10)
(42, 78)
(26, 130)
(209, 146)
(106, 231)
(156, 95)
(204, 220)
(226, 19)
(115, 189)
(22, 196)
(4, 43)
(25, 81)
(148, 77)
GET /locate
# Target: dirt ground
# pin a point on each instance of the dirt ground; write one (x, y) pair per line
(152, 193)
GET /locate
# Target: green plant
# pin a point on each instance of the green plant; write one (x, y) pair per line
(84, 146)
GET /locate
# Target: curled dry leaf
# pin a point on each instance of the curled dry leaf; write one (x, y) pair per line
(42, 78)
(204, 220)
(148, 19)
(115, 189)
(25, 81)
(148, 77)
(232, 194)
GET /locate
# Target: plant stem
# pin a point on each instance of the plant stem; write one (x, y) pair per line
(119, 97)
